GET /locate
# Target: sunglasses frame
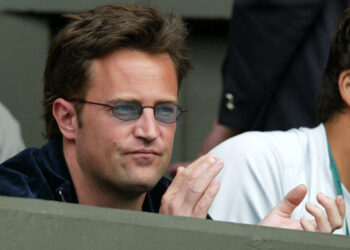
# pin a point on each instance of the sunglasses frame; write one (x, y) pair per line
(179, 108)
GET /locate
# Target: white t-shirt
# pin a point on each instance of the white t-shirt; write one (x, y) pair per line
(10, 135)
(262, 167)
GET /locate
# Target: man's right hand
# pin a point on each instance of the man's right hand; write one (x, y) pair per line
(193, 189)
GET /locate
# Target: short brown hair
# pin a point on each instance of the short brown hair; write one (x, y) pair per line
(99, 32)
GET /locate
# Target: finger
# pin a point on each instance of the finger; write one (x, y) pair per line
(341, 207)
(177, 182)
(190, 173)
(171, 192)
(203, 205)
(196, 167)
(187, 188)
(187, 177)
(308, 225)
(199, 161)
(286, 207)
(333, 214)
(321, 219)
(197, 188)
(173, 167)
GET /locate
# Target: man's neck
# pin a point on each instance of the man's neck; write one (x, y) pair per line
(97, 193)
(338, 135)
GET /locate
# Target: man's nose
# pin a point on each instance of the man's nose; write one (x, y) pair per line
(147, 125)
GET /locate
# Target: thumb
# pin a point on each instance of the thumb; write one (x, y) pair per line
(294, 197)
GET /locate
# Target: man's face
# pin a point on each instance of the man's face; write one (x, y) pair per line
(129, 156)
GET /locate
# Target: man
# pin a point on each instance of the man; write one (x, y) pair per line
(261, 167)
(110, 98)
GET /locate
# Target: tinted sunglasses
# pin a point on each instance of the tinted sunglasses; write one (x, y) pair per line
(130, 110)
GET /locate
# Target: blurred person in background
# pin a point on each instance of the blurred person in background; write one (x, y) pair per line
(11, 141)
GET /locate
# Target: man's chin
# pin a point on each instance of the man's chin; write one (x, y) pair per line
(141, 188)
(143, 178)
(143, 183)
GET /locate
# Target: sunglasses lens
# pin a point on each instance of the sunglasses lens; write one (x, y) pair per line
(127, 110)
(167, 112)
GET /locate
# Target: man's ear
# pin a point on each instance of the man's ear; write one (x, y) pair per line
(344, 86)
(66, 118)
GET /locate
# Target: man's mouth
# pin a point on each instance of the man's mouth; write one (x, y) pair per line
(144, 157)
(144, 152)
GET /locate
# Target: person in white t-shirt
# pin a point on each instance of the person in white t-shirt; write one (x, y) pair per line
(262, 167)
(10, 135)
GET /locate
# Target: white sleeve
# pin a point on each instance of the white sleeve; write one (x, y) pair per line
(251, 180)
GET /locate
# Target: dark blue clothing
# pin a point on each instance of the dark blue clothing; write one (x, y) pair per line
(43, 174)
